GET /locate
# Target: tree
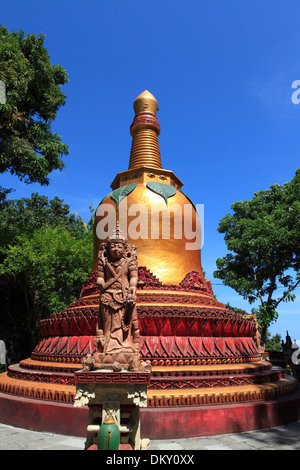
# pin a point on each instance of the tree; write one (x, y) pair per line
(24, 216)
(28, 148)
(237, 310)
(263, 238)
(273, 343)
(46, 255)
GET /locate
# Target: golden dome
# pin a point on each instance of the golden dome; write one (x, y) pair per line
(159, 229)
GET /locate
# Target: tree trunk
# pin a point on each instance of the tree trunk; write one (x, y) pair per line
(263, 335)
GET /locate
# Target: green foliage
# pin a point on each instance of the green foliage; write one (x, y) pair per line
(263, 238)
(273, 343)
(51, 263)
(46, 255)
(266, 314)
(24, 216)
(237, 310)
(28, 148)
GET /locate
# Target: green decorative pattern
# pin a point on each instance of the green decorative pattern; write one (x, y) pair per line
(163, 189)
(118, 194)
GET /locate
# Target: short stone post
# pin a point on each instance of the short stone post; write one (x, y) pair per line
(116, 395)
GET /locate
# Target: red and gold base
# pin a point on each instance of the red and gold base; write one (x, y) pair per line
(207, 411)
(206, 367)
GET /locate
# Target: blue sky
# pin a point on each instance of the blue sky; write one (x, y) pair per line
(222, 73)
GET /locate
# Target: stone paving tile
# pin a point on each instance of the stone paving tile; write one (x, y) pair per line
(63, 444)
(218, 447)
(238, 446)
(233, 444)
(191, 444)
(169, 446)
(268, 441)
(280, 438)
(22, 439)
(62, 447)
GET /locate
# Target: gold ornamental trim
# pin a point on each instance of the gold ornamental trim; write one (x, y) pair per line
(158, 398)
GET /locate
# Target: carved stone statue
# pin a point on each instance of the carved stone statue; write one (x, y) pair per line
(117, 332)
(117, 279)
(257, 337)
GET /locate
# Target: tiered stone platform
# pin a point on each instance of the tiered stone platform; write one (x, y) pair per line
(206, 368)
(170, 386)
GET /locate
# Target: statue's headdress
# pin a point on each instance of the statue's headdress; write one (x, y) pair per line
(117, 236)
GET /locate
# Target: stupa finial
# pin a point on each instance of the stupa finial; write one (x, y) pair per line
(145, 102)
(145, 130)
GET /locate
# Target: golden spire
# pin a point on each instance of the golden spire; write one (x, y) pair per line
(145, 102)
(145, 131)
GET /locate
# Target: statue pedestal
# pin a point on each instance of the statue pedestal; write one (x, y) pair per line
(118, 395)
(123, 360)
